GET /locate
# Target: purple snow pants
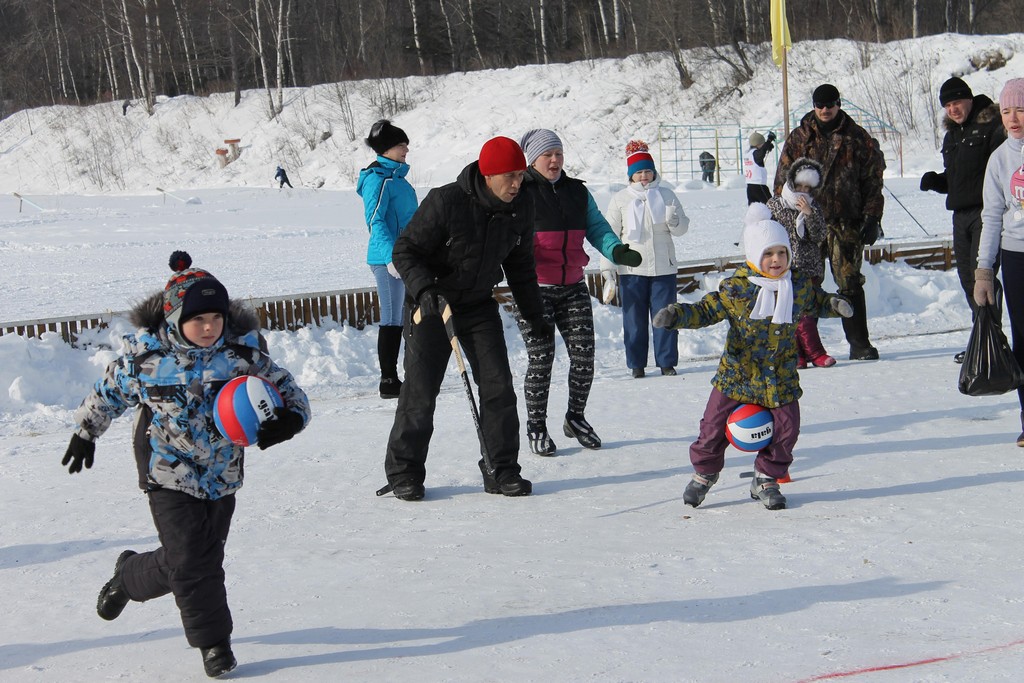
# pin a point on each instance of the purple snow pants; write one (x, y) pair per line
(707, 453)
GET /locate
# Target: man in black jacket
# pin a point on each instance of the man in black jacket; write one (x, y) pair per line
(459, 243)
(973, 131)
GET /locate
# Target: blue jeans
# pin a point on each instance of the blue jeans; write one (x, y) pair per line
(643, 296)
(390, 294)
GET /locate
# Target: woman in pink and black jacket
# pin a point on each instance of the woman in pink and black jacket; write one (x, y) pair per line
(566, 214)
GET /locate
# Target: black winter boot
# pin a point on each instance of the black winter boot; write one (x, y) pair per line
(1020, 439)
(506, 482)
(856, 328)
(218, 659)
(113, 597)
(389, 343)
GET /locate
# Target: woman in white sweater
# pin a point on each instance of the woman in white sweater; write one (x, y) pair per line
(1002, 222)
(647, 216)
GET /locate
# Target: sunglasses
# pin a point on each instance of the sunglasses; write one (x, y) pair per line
(826, 105)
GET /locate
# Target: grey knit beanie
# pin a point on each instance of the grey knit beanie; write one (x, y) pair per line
(537, 141)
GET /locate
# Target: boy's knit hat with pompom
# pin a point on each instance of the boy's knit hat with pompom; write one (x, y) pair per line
(638, 158)
(191, 291)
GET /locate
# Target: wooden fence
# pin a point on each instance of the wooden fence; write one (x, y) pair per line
(359, 307)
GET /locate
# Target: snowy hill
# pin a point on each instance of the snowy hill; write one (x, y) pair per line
(596, 107)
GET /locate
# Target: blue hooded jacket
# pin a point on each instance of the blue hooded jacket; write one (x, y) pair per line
(389, 201)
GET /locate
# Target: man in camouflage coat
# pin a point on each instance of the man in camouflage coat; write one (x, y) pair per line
(850, 195)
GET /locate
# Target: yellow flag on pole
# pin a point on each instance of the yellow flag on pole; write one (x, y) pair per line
(780, 31)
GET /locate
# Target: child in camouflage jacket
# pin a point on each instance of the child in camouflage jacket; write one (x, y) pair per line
(191, 341)
(762, 301)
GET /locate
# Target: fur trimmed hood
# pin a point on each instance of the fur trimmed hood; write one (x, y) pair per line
(983, 110)
(149, 314)
(801, 164)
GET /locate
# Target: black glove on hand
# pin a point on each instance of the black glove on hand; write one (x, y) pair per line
(284, 425)
(871, 230)
(79, 452)
(429, 305)
(539, 327)
(624, 256)
(930, 181)
(666, 317)
(771, 136)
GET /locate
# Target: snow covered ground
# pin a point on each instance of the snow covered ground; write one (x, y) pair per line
(897, 560)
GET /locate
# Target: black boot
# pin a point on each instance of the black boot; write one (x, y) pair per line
(507, 482)
(856, 328)
(113, 597)
(1020, 439)
(389, 343)
(218, 659)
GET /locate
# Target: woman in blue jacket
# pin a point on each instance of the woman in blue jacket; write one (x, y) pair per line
(389, 202)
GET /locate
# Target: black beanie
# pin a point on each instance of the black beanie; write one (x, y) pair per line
(825, 93)
(384, 135)
(954, 89)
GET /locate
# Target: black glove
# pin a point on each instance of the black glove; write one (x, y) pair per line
(79, 452)
(624, 256)
(429, 305)
(930, 181)
(539, 327)
(284, 425)
(871, 230)
(771, 136)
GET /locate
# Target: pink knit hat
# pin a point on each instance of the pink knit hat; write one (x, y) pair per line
(1012, 94)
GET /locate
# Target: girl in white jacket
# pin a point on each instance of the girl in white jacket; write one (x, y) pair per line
(647, 216)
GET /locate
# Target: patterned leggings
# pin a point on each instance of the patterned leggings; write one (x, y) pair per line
(569, 308)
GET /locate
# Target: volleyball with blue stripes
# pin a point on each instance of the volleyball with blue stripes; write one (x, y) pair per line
(749, 427)
(242, 405)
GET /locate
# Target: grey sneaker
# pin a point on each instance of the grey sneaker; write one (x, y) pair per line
(766, 490)
(698, 487)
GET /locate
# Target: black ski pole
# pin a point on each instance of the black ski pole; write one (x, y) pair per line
(908, 211)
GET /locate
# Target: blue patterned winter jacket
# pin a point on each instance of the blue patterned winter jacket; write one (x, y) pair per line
(389, 201)
(173, 385)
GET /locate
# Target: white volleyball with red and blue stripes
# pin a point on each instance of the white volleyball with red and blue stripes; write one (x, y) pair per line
(242, 405)
(749, 427)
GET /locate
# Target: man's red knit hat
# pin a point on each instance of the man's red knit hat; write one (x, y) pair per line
(501, 155)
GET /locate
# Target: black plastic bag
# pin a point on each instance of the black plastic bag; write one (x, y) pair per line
(989, 367)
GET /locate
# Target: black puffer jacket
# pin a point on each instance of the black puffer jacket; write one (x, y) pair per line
(462, 238)
(965, 152)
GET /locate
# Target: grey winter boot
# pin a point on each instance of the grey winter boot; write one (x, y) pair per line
(698, 487)
(766, 490)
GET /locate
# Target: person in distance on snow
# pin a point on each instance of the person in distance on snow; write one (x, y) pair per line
(761, 301)
(707, 166)
(804, 221)
(973, 131)
(389, 201)
(191, 340)
(566, 214)
(463, 239)
(850, 196)
(282, 177)
(753, 167)
(647, 215)
(1002, 223)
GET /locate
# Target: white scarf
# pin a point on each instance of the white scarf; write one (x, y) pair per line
(789, 197)
(644, 198)
(780, 306)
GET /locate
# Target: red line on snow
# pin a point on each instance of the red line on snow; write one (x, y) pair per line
(907, 665)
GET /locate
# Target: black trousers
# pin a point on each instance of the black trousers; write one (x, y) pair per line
(427, 352)
(966, 237)
(189, 563)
